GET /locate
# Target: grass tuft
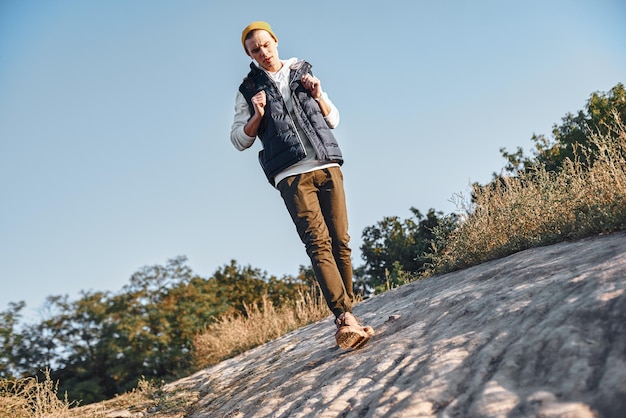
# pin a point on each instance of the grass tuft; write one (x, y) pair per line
(235, 333)
(540, 207)
(32, 398)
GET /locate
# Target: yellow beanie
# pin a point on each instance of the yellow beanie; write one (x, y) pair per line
(254, 26)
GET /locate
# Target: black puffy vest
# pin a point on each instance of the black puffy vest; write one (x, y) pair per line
(282, 146)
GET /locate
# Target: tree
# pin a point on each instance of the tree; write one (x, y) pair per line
(393, 249)
(85, 368)
(572, 139)
(10, 339)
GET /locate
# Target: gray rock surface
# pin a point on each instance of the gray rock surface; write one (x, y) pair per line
(541, 333)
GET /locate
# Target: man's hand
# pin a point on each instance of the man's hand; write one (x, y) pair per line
(258, 101)
(313, 85)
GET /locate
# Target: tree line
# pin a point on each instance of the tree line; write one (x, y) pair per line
(102, 343)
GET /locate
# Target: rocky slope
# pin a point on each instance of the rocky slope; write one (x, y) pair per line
(541, 333)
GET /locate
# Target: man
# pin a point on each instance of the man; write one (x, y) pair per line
(283, 104)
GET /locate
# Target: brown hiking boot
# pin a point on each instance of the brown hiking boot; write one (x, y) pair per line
(351, 334)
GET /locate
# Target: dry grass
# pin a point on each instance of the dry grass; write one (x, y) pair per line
(541, 208)
(32, 398)
(235, 333)
(29, 397)
(147, 399)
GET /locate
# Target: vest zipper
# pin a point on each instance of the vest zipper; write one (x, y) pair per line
(293, 124)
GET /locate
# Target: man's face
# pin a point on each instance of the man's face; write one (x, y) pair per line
(264, 50)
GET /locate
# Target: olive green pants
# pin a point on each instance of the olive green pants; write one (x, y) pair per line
(317, 204)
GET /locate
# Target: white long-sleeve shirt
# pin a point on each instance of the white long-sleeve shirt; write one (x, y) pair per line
(242, 141)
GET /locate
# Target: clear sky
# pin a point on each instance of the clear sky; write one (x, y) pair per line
(115, 118)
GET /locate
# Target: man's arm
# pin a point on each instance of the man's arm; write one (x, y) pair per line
(329, 111)
(238, 136)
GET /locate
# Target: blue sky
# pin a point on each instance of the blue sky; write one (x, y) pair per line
(115, 119)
